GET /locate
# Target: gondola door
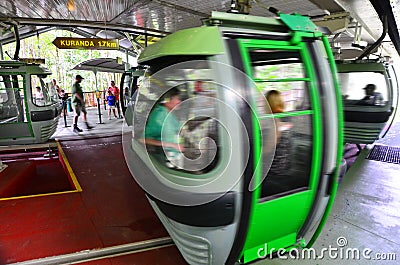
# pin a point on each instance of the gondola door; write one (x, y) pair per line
(14, 117)
(288, 178)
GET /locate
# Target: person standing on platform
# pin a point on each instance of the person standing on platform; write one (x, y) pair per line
(115, 91)
(54, 90)
(63, 96)
(55, 86)
(111, 104)
(79, 104)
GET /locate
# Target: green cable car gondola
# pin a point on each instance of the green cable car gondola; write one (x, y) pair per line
(369, 90)
(29, 111)
(246, 180)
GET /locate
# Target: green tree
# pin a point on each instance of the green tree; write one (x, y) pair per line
(61, 61)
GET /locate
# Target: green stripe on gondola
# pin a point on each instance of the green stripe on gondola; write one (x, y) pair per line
(317, 121)
(281, 80)
(334, 183)
(286, 114)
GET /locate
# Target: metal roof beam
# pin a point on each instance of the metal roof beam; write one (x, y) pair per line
(87, 24)
(181, 8)
(11, 39)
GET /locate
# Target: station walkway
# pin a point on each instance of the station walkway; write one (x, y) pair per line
(111, 218)
(107, 127)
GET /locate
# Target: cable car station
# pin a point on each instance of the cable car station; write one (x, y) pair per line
(178, 132)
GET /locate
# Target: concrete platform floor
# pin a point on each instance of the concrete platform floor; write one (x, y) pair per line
(113, 126)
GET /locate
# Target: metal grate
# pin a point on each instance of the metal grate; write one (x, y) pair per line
(385, 153)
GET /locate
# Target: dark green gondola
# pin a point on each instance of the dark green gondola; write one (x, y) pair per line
(369, 91)
(29, 110)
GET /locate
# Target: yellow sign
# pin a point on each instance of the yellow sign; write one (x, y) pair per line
(86, 43)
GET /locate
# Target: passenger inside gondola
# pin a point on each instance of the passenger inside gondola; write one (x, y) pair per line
(162, 131)
(371, 98)
(281, 162)
(183, 137)
(290, 166)
(364, 89)
(38, 98)
(38, 93)
(188, 141)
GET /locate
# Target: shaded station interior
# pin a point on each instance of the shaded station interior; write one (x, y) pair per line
(73, 199)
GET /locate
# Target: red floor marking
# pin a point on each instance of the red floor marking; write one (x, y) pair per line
(111, 209)
(13, 177)
(44, 226)
(30, 173)
(43, 176)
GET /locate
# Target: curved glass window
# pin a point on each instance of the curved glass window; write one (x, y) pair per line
(41, 95)
(283, 72)
(364, 88)
(281, 78)
(174, 118)
(12, 104)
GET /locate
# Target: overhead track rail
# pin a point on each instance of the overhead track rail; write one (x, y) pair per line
(87, 24)
(383, 9)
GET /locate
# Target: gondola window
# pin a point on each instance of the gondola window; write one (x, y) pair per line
(12, 103)
(190, 123)
(354, 84)
(280, 75)
(41, 95)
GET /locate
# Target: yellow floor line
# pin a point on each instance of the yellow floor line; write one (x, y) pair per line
(69, 168)
(39, 195)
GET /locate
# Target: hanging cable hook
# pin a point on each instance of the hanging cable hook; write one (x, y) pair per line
(378, 41)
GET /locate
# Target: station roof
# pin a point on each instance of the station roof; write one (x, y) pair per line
(101, 65)
(134, 21)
